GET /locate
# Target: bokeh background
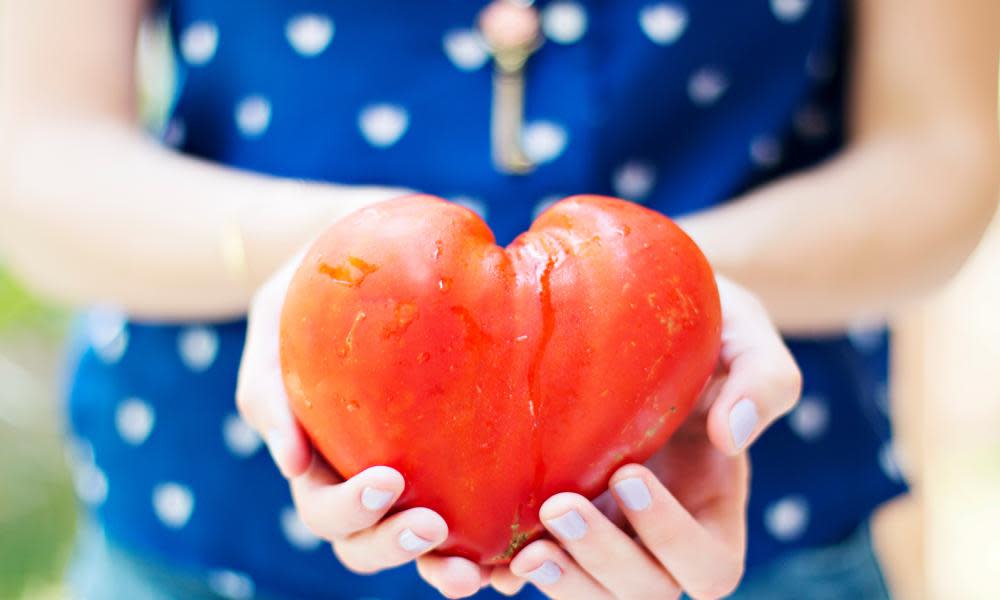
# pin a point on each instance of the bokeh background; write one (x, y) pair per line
(943, 541)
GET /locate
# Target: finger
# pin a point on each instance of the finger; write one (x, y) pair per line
(555, 573)
(706, 557)
(332, 510)
(454, 577)
(762, 381)
(260, 389)
(603, 550)
(506, 582)
(393, 542)
(263, 404)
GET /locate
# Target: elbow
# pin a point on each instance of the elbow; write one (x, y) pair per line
(965, 160)
(971, 176)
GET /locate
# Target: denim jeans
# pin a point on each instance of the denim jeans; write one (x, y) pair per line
(844, 571)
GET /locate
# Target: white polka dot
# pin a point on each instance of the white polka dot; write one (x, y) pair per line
(134, 420)
(474, 204)
(79, 452)
(786, 519)
(91, 484)
(108, 334)
(231, 584)
(544, 141)
(383, 124)
(765, 151)
(465, 48)
(253, 116)
(198, 42)
(820, 66)
(544, 204)
(663, 23)
(866, 336)
(198, 347)
(173, 504)
(810, 418)
(564, 22)
(811, 122)
(888, 461)
(239, 437)
(296, 532)
(175, 133)
(789, 11)
(634, 180)
(706, 86)
(309, 34)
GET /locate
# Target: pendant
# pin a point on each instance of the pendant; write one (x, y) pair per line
(511, 30)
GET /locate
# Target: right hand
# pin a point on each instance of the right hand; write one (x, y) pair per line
(349, 514)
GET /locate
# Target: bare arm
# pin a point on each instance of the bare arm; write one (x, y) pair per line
(92, 211)
(902, 206)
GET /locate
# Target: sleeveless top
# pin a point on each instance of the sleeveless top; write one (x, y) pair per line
(678, 104)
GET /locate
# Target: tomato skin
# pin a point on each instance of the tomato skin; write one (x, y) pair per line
(493, 378)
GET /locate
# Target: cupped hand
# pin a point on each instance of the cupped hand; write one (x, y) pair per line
(349, 514)
(678, 523)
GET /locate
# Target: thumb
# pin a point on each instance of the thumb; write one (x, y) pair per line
(762, 381)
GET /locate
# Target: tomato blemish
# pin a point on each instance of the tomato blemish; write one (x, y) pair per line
(352, 273)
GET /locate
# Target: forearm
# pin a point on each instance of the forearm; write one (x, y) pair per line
(891, 216)
(92, 211)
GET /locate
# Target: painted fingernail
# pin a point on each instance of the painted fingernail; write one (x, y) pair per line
(412, 542)
(547, 574)
(743, 420)
(633, 493)
(277, 445)
(374, 498)
(570, 526)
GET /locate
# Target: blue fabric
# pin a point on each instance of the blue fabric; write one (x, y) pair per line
(847, 570)
(678, 105)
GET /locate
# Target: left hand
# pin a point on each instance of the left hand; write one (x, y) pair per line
(686, 506)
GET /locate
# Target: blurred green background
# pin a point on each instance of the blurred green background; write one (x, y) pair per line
(37, 507)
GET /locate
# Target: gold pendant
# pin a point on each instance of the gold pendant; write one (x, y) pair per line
(511, 29)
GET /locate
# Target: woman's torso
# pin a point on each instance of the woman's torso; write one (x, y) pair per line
(679, 105)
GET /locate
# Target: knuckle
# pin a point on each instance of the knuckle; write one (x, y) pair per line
(311, 519)
(353, 561)
(790, 383)
(723, 584)
(317, 521)
(243, 403)
(663, 592)
(784, 383)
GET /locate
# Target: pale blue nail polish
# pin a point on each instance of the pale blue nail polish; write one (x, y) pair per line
(570, 526)
(374, 498)
(633, 493)
(412, 542)
(743, 419)
(547, 574)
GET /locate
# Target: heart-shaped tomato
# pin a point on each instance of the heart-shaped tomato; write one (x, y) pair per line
(494, 377)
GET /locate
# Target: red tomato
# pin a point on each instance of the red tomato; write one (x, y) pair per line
(494, 377)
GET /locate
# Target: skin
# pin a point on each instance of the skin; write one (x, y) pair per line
(694, 532)
(903, 204)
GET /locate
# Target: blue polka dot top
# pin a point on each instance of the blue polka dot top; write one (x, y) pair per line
(677, 104)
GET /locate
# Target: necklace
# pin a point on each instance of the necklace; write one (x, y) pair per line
(511, 30)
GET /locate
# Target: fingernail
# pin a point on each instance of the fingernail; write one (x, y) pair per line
(277, 445)
(633, 493)
(570, 526)
(374, 498)
(412, 542)
(743, 420)
(547, 574)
